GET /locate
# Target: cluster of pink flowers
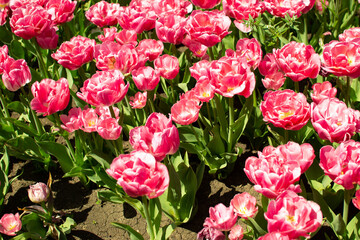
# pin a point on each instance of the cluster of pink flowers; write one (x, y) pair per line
(276, 170)
(93, 120)
(222, 218)
(15, 73)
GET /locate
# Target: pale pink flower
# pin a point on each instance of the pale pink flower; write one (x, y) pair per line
(139, 100)
(72, 121)
(274, 77)
(342, 164)
(158, 137)
(108, 35)
(293, 215)
(89, 120)
(151, 48)
(206, 4)
(333, 120)
(280, 8)
(38, 192)
(10, 224)
(74, 53)
(350, 34)
(145, 78)
(356, 199)
(236, 233)
(277, 169)
(204, 91)
(232, 76)
(104, 88)
(221, 217)
(170, 28)
(322, 90)
(285, 109)
(244, 205)
(207, 27)
(126, 37)
(139, 174)
(273, 82)
(30, 21)
(185, 111)
(50, 96)
(108, 128)
(200, 69)
(167, 66)
(48, 39)
(298, 61)
(251, 50)
(103, 13)
(107, 55)
(274, 236)
(61, 11)
(16, 73)
(342, 58)
(128, 59)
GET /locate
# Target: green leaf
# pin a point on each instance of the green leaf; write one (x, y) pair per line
(103, 159)
(155, 213)
(353, 227)
(5, 35)
(23, 236)
(69, 77)
(134, 235)
(216, 145)
(23, 127)
(108, 195)
(16, 106)
(165, 232)
(240, 124)
(67, 225)
(60, 152)
(339, 225)
(17, 50)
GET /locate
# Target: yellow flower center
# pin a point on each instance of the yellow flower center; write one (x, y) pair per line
(283, 115)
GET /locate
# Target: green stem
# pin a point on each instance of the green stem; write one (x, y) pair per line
(68, 144)
(173, 92)
(147, 217)
(42, 65)
(347, 199)
(286, 136)
(296, 84)
(211, 54)
(81, 72)
(348, 87)
(256, 226)
(231, 121)
(151, 100)
(209, 114)
(3, 103)
(198, 139)
(118, 142)
(38, 125)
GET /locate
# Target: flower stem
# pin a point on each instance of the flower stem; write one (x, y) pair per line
(148, 219)
(347, 198)
(348, 88)
(231, 121)
(42, 65)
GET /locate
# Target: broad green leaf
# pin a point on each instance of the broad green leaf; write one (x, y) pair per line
(108, 195)
(23, 127)
(134, 235)
(60, 152)
(16, 106)
(165, 232)
(103, 159)
(353, 227)
(67, 225)
(17, 50)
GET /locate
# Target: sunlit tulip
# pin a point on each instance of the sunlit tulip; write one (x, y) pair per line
(139, 100)
(185, 111)
(72, 121)
(167, 66)
(321, 91)
(244, 205)
(16, 73)
(10, 224)
(146, 78)
(108, 128)
(38, 192)
(61, 11)
(103, 13)
(221, 217)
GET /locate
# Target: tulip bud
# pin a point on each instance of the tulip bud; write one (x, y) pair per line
(39, 192)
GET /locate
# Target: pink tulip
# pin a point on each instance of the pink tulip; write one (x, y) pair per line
(107, 55)
(104, 88)
(210, 233)
(48, 39)
(242, 9)
(104, 112)
(320, 5)
(350, 34)
(126, 37)
(151, 48)
(10, 224)
(74, 53)
(29, 21)
(298, 61)
(109, 34)
(204, 91)
(50, 96)
(232, 76)
(342, 164)
(14, 4)
(207, 27)
(293, 215)
(274, 236)
(139, 174)
(167, 66)
(128, 59)
(236, 233)
(135, 18)
(89, 120)
(342, 58)
(333, 120)
(158, 137)
(38, 192)
(61, 11)
(206, 4)
(103, 13)
(4, 12)
(280, 8)
(356, 199)
(170, 28)
(139, 100)
(273, 82)
(221, 217)
(200, 69)
(285, 109)
(198, 49)
(277, 169)
(244, 205)
(108, 128)
(171, 7)
(185, 111)
(248, 48)
(72, 121)
(322, 91)
(146, 78)
(274, 77)
(4, 55)
(16, 73)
